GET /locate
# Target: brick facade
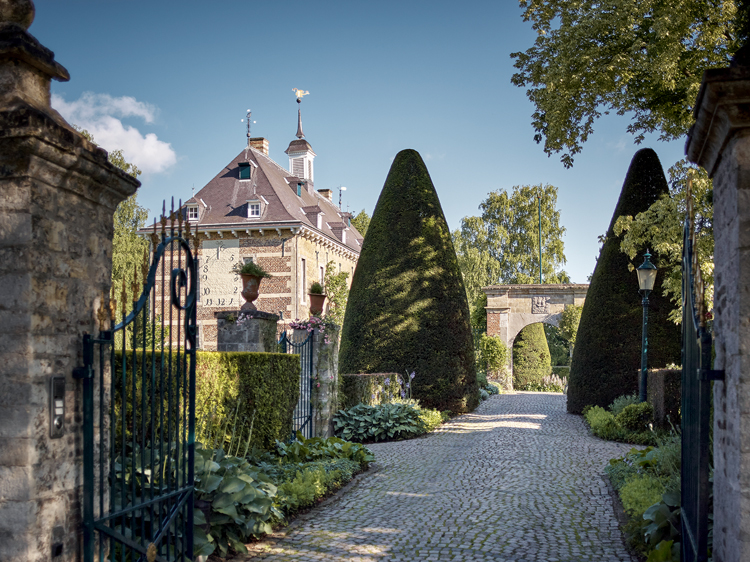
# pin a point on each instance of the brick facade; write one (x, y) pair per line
(282, 256)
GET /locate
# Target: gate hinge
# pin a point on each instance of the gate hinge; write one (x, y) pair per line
(711, 374)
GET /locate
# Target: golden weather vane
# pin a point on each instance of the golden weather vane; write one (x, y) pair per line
(299, 93)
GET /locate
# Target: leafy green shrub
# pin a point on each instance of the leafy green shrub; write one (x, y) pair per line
(531, 358)
(639, 493)
(493, 354)
(430, 418)
(313, 481)
(492, 388)
(483, 395)
(234, 501)
(317, 448)
(407, 304)
(607, 352)
(263, 387)
(603, 423)
(621, 401)
(377, 423)
(636, 417)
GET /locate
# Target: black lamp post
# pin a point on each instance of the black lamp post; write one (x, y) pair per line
(646, 278)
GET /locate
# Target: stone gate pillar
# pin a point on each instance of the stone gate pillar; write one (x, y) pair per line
(58, 194)
(720, 142)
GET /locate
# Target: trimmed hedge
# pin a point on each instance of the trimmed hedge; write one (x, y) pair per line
(531, 357)
(407, 308)
(367, 388)
(607, 354)
(267, 383)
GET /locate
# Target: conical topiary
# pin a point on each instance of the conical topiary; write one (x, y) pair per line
(607, 355)
(407, 308)
(531, 357)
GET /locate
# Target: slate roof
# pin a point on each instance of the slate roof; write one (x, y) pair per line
(226, 199)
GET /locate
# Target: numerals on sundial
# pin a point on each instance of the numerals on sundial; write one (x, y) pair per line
(219, 285)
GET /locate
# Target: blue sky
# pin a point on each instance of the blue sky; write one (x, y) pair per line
(169, 82)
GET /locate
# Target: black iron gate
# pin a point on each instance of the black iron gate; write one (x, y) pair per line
(301, 342)
(139, 412)
(696, 395)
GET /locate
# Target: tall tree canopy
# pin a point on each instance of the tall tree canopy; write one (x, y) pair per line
(502, 245)
(642, 58)
(127, 246)
(660, 228)
(361, 222)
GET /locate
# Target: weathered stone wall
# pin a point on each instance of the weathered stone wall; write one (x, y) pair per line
(246, 331)
(720, 142)
(59, 194)
(325, 382)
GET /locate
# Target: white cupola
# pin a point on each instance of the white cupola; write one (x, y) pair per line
(301, 154)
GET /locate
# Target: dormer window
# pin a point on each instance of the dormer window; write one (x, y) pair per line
(192, 212)
(244, 170)
(253, 209)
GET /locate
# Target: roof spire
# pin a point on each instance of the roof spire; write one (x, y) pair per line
(300, 134)
(299, 93)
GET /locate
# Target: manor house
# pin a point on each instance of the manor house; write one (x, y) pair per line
(255, 209)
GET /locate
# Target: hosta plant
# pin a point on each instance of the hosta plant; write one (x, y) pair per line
(234, 502)
(377, 423)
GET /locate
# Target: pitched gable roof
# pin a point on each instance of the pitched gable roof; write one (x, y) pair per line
(226, 196)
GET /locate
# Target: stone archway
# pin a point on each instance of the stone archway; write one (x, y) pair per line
(510, 308)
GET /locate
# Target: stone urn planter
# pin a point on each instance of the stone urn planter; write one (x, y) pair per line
(250, 290)
(317, 302)
(251, 275)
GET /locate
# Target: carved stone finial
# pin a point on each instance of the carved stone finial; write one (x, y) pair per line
(20, 12)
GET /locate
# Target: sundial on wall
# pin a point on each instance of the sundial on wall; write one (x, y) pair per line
(219, 285)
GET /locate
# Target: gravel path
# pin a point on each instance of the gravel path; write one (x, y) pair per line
(517, 480)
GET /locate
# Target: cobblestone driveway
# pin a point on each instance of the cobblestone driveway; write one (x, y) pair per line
(516, 480)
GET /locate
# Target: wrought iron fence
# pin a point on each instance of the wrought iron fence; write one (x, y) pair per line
(695, 409)
(139, 413)
(301, 342)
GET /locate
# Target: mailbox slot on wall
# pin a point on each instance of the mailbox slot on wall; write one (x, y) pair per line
(57, 407)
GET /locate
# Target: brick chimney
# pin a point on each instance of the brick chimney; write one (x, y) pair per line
(327, 193)
(259, 143)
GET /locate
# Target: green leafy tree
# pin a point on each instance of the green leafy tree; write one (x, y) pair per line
(127, 247)
(569, 320)
(337, 292)
(407, 306)
(478, 267)
(559, 347)
(660, 228)
(643, 59)
(361, 222)
(607, 353)
(531, 357)
(508, 233)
